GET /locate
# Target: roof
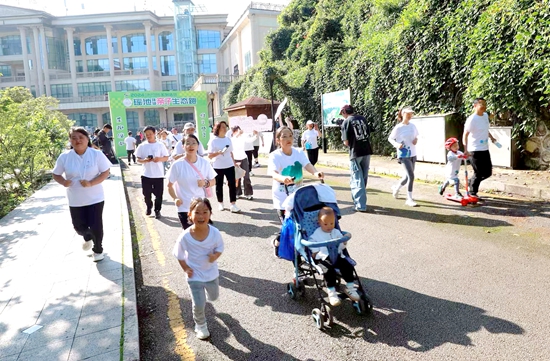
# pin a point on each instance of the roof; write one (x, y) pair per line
(252, 102)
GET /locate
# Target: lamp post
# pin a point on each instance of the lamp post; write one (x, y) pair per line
(270, 75)
(212, 95)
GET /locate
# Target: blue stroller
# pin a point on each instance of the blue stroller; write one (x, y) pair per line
(305, 215)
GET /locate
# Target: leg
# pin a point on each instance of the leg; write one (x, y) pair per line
(249, 158)
(95, 220)
(230, 175)
(79, 217)
(313, 155)
(184, 219)
(198, 299)
(129, 155)
(219, 184)
(408, 164)
(457, 186)
(212, 290)
(238, 182)
(365, 165)
(357, 186)
(346, 269)
(255, 153)
(158, 191)
(134, 156)
(483, 169)
(147, 190)
(275, 241)
(330, 273)
(246, 179)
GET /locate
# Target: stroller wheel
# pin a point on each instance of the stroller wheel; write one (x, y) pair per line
(327, 316)
(318, 318)
(291, 290)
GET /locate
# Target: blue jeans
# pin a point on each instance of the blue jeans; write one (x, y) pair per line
(200, 292)
(359, 176)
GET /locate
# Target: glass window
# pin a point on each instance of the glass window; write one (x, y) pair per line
(98, 65)
(169, 85)
(87, 120)
(139, 62)
(114, 43)
(5, 70)
(96, 88)
(96, 45)
(168, 65)
(106, 117)
(166, 41)
(132, 85)
(208, 39)
(77, 48)
(11, 45)
(207, 64)
(132, 120)
(135, 43)
(152, 116)
(247, 60)
(79, 66)
(62, 90)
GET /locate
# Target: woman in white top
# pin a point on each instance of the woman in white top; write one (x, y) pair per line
(239, 140)
(190, 177)
(404, 137)
(220, 151)
(309, 141)
(84, 168)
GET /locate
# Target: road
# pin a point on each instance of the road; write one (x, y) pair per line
(447, 282)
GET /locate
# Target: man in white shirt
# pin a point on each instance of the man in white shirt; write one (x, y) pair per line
(152, 154)
(476, 144)
(130, 147)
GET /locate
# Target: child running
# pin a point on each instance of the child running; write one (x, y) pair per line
(326, 232)
(454, 159)
(285, 166)
(197, 250)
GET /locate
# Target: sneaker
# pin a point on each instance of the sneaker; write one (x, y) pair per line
(441, 189)
(249, 198)
(333, 298)
(87, 245)
(148, 212)
(256, 165)
(352, 293)
(274, 243)
(411, 203)
(395, 190)
(157, 214)
(357, 209)
(98, 257)
(202, 331)
(251, 173)
(220, 207)
(459, 195)
(234, 209)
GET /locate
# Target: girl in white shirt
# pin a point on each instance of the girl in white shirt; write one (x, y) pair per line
(85, 169)
(309, 141)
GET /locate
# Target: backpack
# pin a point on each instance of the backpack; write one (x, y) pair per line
(286, 240)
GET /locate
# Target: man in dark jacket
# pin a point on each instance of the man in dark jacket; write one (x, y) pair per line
(105, 142)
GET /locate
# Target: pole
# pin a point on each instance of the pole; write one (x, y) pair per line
(274, 144)
(212, 101)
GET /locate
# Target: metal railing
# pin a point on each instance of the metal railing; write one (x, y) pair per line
(86, 98)
(216, 79)
(266, 6)
(11, 79)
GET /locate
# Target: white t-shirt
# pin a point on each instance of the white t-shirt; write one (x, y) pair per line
(195, 254)
(222, 161)
(287, 165)
(239, 147)
(178, 149)
(404, 134)
(249, 140)
(85, 167)
(309, 139)
(130, 143)
(185, 179)
(321, 236)
(175, 138)
(167, 143)
(478, 126)
(156, 149)
(453, 164)
(256, 142)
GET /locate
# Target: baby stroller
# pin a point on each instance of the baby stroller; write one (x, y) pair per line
(305, 214)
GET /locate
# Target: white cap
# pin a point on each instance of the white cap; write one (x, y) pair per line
(309, 122)
(407, 110)
(189, 126)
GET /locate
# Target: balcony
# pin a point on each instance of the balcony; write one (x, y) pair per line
(214, 79)
(12, 79)
(102, 74)
(84, 99)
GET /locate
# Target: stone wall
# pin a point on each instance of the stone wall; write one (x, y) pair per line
(537, 148)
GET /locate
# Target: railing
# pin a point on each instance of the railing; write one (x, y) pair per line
(60, 76)
(103, 74)
(11, 79)
(93, 74)
(132, 72)
(216, 79)
(83, 99)
(264, 6)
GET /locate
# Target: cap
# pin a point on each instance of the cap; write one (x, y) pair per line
(310, 122)
(407, 110)
(348, 109)
(189, 126)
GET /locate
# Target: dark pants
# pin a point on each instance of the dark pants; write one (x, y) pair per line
(249, 154)
(346, 269)
(248, 191)
(281, 215)
(88, 222)
(255, 152)
(152, 186)
(110, 155)
(313, 155)
(483, 168)
(184, 219)
(229, 174)
(131, 154)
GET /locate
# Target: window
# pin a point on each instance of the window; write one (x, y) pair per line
(169, 85)
(96, 45)
(5, 70)
(88, 120)
(166, 41)
(98, 65)
(132, 121)
(152, 116)
(79, 66)
(139, 62)
(115, 45)
(168, 65)
(62, 90)
(207, 64)
(247, 60)
(91, 89)
(136, 43)
(77, 49)
(208, 39)
(132, 85)
(106, 117)
(11, 45)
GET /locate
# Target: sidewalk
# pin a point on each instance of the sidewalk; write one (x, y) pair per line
(531, 184)
(87, 310)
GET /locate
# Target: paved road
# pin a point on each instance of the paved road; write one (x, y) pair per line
(448, 283)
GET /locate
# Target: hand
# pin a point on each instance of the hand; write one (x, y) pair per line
(288, 180)
(320, 175)
(212, 257)
(178, 201)
(466, 154)
(201, 183)
(67, 183)
(415, 141)
(401, 146)
(85, 183)
(189, 272)
(219, 152)
(255, 132)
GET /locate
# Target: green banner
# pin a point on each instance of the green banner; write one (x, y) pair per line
(120, 101)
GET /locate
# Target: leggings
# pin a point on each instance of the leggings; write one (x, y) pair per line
(229, 174)
(408, 178)
(88, 223)
(200, 292)
(483, 168)
(313, 155)
(255, 152)
(249, 154)
(346, 269)
(184, 219)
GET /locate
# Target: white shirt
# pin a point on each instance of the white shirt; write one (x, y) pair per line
(453, 164)
(286, 165)
(239, 147)
(249, 140)
(309, 139)
(256, 142)
(130, 143)
(85, 167)
(222, 161)
(195, 254)
(185, 178)
(167, 143)
(321, 236)
(175, 138)
(478, 126)
(404, 134)
(178, 149)
(156, 149)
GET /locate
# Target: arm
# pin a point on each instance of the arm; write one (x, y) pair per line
(61, 180)
(493, 139)
(172, 193)
(97, 180)
(392, 140)
(212, 257)
(465, 142)
(281, 178)
(310, 168)
(186, 268)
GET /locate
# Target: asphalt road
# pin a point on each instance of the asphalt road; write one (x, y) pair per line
(447, 282)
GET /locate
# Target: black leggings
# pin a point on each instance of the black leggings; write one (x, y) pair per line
(88, 223)
(313, 155)
(483, 168)
(152, 186)
(346, 270)
(184, 219)
(229, 174)
(255, 151)
(249, 154)
(131, 154)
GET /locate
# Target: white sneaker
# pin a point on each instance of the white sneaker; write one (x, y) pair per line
(352, 293)
(202, 331)
(333, 298)
(249, 198)
(234, 208)
(411, 203)
(256, 165)
(395, 190)
(251, 174)
(220, 207)
(87, 245)
(98, 257)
